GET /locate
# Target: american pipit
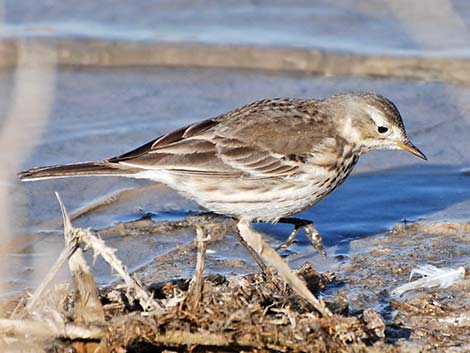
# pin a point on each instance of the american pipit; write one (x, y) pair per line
(263, 161)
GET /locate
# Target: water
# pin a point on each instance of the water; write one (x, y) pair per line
(123, 108)
(372, 203)
(369, 26)
(97, 113)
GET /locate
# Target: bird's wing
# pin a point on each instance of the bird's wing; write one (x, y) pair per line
(261, 142)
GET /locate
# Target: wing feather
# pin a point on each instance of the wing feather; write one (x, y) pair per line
(266, 139)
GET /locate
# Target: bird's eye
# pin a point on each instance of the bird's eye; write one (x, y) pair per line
(382, 129)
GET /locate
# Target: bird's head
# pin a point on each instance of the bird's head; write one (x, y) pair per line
(373, 122)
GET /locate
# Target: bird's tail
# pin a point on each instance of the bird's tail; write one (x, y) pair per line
(75, 169)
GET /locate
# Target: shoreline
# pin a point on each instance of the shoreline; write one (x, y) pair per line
(92, 52)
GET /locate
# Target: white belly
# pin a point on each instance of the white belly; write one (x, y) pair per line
(256, 199)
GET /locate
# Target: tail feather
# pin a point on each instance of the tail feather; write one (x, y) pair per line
(75, 169)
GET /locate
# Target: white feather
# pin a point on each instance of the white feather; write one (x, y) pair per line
(431, 277)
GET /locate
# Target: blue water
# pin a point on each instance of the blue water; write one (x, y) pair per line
(98, 113)
(372, 203)
(367, 204)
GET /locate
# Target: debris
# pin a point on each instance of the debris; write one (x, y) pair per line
(252, 312)
(431, 277)
(195, 286)
(256, 242)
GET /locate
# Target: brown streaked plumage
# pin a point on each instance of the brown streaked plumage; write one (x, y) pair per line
(263, 161)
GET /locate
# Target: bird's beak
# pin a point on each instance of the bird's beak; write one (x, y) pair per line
(409, 147)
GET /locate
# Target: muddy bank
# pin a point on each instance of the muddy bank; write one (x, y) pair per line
(430, 320)
(102, 52)
(258, 312)
(358, 38)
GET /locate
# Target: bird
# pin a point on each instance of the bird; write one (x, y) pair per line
(261, 162)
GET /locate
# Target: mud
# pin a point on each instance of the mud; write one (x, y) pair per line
(258, 312)
(366, 317)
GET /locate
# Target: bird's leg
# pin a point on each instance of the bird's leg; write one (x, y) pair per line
(312, 233)
(252, 252)
(256, 242)
(289, 240)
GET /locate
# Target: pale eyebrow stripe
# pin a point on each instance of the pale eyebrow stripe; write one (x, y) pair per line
(376, 116)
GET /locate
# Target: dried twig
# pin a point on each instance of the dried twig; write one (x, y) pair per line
(88, 307)
(49, 329)
(195, 287)
(68, 251)
(132, 283)
(99, 247)
(110, 199)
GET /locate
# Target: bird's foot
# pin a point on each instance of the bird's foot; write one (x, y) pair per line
(312, 233)
(255, 241)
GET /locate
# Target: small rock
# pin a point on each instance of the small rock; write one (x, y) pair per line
(374, 322)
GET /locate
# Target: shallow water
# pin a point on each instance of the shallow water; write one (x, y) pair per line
(98, 113)
(368, 26)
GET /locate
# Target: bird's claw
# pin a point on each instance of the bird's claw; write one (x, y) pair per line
(312, 234)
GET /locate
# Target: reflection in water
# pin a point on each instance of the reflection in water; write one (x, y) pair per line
(31, 99)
